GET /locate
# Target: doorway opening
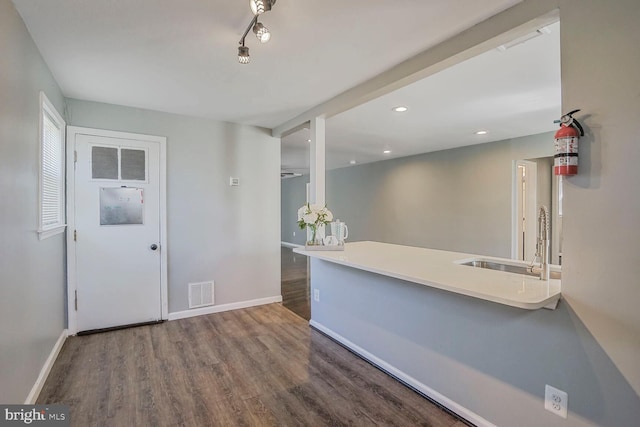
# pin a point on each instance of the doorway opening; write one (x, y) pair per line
(535, 185)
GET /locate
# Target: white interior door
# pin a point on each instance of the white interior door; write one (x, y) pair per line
(117, 226)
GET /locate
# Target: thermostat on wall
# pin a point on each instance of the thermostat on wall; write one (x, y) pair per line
(234, 181)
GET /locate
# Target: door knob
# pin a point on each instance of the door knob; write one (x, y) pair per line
(153, 247)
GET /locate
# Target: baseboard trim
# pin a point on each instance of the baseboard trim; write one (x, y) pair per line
(290, 245)
(223, 307)
(46, 369)
(405, 378)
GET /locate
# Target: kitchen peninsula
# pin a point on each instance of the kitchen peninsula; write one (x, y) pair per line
(446, 270)
(425, 318)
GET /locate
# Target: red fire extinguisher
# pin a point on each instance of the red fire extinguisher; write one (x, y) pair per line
(565, 161)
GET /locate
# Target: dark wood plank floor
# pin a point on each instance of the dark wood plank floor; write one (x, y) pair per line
(295, 283)
(250, 367)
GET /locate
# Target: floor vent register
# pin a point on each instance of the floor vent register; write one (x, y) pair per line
(200, 294)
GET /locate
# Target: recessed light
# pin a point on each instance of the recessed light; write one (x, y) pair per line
(481, 132)
(387, 151)
(400, 109)
(308, 140)
(352, 162)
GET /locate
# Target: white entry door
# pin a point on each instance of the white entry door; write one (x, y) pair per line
(117, 231)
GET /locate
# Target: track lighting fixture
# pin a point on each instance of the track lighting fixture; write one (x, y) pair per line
(262, 33)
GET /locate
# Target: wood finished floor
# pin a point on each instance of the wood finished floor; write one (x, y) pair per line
(295, 283)
(260, 366)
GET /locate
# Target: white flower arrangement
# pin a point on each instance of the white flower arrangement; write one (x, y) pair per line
(313, 216)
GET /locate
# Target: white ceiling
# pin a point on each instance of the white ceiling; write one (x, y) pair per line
(509, 94)
(181, 57)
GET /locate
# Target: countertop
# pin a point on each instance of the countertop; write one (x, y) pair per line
(441, 269)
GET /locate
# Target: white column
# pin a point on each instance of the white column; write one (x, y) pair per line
(317, 165)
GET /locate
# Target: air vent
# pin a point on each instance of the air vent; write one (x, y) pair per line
(200, 294)
(522, 39)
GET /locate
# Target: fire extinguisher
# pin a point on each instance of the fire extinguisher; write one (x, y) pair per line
(565, 161)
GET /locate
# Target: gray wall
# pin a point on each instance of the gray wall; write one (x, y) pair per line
(601, 223)
(458, 199)
(545, 174)
(547, 195)
(215, 232)
(32, 274)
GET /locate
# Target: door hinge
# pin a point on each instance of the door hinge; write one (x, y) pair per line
(76, 302)
(75, 157)
(75, 235)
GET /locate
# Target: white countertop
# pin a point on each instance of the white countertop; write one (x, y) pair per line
(441, 269)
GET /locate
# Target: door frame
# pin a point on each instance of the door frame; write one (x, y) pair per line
(531, 180)
(72, 285)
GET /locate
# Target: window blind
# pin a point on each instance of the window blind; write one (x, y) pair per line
(52, 134)
(52, 179)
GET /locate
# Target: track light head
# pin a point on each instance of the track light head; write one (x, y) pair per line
(262, 33)
(259, 7)
(243, 55)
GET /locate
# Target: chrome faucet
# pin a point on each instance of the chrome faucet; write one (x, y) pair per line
(542, 246)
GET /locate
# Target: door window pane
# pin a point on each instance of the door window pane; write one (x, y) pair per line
(104, 163)
(132, 164)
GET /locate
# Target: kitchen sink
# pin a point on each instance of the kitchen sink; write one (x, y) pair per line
(510, 268)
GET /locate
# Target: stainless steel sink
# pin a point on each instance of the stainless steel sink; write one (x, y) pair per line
(518, 269)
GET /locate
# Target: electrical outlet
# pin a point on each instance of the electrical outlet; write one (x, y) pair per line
(556, 401)
(316, 295)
